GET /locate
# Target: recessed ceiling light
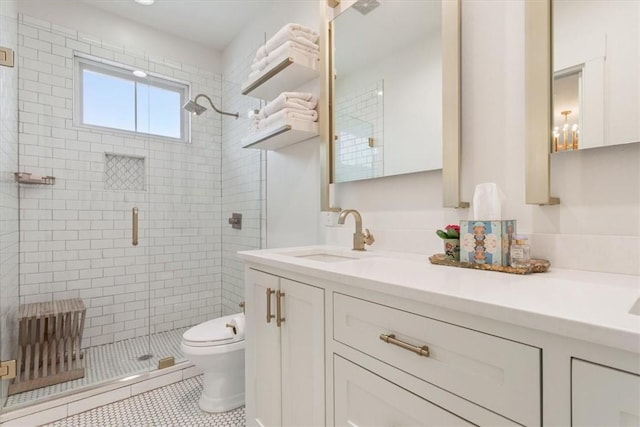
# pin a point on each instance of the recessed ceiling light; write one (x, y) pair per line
(145, 2)
(139, 73)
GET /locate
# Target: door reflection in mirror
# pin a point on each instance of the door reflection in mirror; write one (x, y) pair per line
(596, 42)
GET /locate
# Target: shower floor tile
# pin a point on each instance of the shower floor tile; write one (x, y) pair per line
(111, 361)
(173, 405)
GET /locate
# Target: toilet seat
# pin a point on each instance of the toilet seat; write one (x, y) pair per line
(211, 333)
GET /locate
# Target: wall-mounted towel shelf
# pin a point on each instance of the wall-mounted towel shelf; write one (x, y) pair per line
(27, 178)
(286, 73)
(281, 135)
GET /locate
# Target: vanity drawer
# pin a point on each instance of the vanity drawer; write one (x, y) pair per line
(499, 374)
(362, 398)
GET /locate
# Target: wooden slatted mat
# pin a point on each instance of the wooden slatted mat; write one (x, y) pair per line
(49, 344)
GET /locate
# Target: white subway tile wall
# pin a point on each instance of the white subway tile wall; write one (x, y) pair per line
(360, 134)
(9, 213)
(243, 173)
(76, 235)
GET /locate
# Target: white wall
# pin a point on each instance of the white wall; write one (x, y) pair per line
(597, 225)
(115, 30)
(9, 213)
(76, 234)
(292, 175)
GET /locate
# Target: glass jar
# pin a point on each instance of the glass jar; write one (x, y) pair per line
(520, 253)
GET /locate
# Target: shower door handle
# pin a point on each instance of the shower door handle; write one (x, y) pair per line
(134, 233)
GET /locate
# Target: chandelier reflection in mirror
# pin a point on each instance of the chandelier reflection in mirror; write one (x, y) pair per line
(567, 137)
(567, 103)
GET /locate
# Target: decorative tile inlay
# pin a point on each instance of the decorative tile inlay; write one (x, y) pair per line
(123, 172)
(173, 405)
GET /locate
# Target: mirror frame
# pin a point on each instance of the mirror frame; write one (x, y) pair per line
(538, 98)
(451, 150)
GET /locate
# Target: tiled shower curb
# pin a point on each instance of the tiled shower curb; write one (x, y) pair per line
(72, 404)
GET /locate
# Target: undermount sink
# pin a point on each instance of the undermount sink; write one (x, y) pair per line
(635, 309)
(325, 255)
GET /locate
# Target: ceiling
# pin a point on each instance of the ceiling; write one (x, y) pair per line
(213, 23)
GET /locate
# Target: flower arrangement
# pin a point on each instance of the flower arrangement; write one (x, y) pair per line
(451, 231)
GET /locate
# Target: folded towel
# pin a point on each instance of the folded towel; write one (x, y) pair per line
(274, 56)
(280, 50)
(261, 63)
(305, 96)
(290, 32)
(288, 113)
(292, 100)
(254, 123)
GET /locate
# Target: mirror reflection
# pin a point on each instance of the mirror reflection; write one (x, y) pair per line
(388, 89)
(596, 78)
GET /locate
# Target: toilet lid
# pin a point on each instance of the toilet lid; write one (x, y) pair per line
(211, 333)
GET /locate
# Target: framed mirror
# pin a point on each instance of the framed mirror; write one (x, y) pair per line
(582, 85)
(394, 92)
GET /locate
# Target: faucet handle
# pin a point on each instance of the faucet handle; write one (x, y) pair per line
(367, 236)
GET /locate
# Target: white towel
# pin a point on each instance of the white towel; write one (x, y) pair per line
(268, 48)
(292, 100)
(288, 113)
(261, 64)
(295, 32)
(305, 96)
(254, 74)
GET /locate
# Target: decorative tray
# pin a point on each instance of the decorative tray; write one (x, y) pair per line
(537, 265)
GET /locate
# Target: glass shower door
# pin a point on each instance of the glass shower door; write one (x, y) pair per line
(77, 235)
(9, 240)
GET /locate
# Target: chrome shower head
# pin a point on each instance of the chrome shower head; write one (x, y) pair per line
(365, 6)
(193, 107)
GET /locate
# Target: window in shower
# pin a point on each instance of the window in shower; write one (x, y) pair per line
(108, 95)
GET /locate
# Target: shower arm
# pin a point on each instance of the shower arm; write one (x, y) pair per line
(202, 95)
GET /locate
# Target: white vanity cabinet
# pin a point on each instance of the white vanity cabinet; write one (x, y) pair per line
(603, 396)
(391, 341)
(284, 352)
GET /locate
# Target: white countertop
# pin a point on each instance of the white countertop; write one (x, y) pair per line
(578, 304)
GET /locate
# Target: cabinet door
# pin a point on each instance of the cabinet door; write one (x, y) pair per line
(602, 396)
(302, 335)
(362, 398)
(262, 358)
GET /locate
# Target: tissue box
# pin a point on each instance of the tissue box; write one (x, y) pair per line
(486, 242)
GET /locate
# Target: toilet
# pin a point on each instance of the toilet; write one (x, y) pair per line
(217, 347)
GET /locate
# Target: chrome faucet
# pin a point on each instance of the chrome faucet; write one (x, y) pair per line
(359, 238)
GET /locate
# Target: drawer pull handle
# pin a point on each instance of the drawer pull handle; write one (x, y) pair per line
(279, 318)
(391, 339)
(269, 315)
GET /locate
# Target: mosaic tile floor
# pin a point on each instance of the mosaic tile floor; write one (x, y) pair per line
(173, 405)
(111, 361)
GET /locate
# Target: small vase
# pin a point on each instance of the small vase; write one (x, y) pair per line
(452, 249)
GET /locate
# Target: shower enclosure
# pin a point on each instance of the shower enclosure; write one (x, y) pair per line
(72, 237)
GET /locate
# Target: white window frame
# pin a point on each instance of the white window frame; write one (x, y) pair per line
(110, 68)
